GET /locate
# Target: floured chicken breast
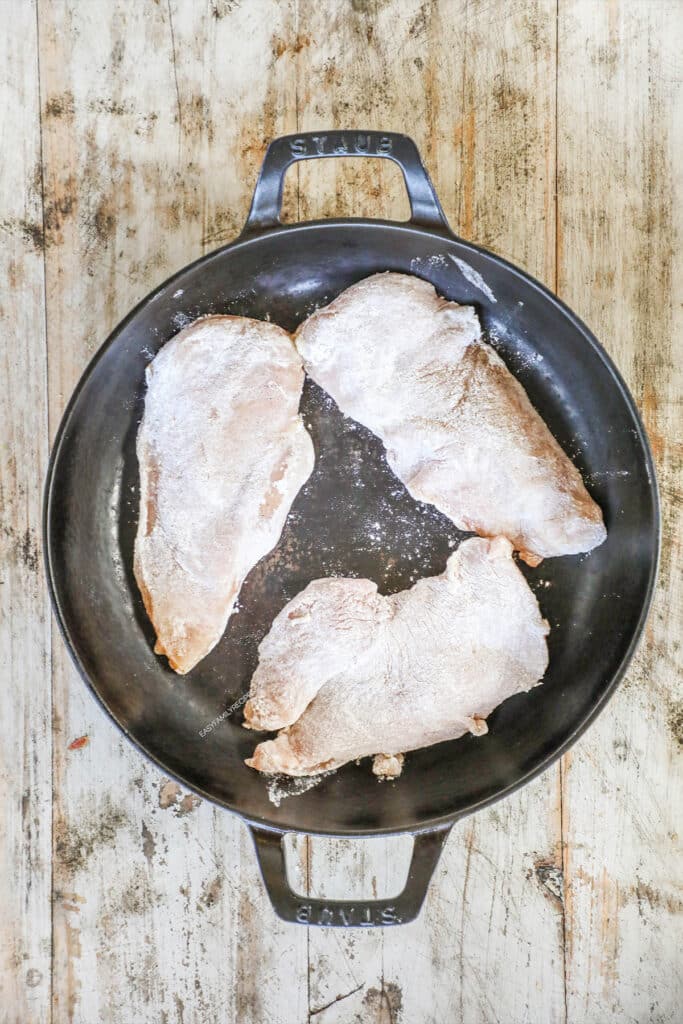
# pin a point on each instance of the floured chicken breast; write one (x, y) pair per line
(346, 672)
(458, 428)
(222, 454)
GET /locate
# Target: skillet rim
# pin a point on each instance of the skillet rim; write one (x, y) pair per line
(247, 238)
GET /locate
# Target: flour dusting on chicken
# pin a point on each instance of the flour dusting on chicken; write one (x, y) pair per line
(346, 673)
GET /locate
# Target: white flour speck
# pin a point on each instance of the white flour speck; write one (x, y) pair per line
(181, 320)
(280, 787)
(474, 277)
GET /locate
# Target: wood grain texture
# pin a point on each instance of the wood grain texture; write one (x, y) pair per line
(426, 69)
(157, 902)
(620, 263)
(25, 788)
(554, 135)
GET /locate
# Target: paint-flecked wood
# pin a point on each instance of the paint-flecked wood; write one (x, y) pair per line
(25, 788)
(620, 265)
(152, 132)
(483, 139)
(559, 904)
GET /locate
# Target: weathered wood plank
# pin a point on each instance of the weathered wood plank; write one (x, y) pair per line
(506, 890)
(154, 122)
(25, 791)
(349, 61)
(620, 263)
(155, 119)
(488, 140)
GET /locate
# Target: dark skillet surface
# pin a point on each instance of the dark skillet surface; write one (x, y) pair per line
(353, 517)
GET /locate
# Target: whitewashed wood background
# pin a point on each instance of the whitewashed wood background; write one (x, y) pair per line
(132, 131)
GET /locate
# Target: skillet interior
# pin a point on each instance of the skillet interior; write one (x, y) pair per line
(352, 517)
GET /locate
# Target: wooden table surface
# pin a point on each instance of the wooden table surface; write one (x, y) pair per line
(132, 134)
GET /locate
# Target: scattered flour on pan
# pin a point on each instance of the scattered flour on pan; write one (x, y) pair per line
(280, 787)
(599, 474)
(437, 260)
(474, 277)
(181, 320)
(114, 505)
(516, 359)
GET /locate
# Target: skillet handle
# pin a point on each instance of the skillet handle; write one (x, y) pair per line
(347, 913)
(266, 204)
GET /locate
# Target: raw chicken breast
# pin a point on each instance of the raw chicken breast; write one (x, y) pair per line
(458, 428)
(346, 672)
(222, 454)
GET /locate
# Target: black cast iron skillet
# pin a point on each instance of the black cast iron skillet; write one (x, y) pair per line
(352, 517)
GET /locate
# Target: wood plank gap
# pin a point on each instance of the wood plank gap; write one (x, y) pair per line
(175, 78)
(556, 177)
(48, 624)
(462, 119)
(298, 166)
(308, 893)
(564, 861)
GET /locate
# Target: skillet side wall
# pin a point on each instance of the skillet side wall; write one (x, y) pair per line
(596, 604)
